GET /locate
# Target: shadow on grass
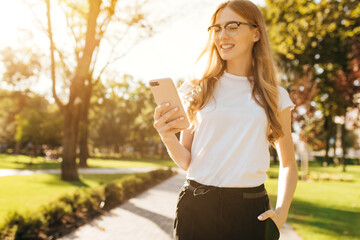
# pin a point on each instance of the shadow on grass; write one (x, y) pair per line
(335, 222)
(55, 180)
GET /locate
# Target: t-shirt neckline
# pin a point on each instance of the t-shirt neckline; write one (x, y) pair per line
(234, 77)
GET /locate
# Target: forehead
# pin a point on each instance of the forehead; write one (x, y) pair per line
(226, 15)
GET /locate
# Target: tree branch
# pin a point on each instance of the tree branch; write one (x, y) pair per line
(57, 100)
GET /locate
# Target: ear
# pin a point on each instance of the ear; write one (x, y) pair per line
(256, 36)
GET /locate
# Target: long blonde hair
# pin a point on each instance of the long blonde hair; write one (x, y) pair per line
(264, 83)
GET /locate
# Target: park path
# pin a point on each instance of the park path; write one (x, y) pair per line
(148, 216)
(11, 172)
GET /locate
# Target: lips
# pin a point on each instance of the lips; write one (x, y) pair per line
(226, 47)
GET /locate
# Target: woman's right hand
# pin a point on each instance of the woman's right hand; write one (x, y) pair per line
(165, 128)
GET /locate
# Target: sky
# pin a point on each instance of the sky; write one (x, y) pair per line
(170, 52)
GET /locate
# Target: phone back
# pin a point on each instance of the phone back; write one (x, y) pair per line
(164, 90)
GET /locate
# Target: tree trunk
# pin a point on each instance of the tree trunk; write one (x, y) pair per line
(84, 127)
(343, 159)
(327, 139)
(71, 123)
(17, 148)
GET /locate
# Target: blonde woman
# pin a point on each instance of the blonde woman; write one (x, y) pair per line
(236, 110)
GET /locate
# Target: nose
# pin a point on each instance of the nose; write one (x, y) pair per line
(223, 33)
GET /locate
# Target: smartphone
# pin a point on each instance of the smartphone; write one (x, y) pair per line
(164, 90)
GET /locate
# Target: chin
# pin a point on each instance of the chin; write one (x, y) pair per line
(226, 57)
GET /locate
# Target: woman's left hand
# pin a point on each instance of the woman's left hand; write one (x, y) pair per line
(278, 218)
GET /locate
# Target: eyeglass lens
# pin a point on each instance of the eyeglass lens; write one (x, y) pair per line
(231, 29)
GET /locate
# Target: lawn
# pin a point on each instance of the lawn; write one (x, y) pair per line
(324, 210)
(23, 162)
(321, 210)
(29, 192)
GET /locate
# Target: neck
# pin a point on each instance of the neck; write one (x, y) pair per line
(239, 66)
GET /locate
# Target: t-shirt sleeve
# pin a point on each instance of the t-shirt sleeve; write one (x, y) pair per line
(284, 99)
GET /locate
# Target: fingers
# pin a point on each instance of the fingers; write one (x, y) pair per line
(166, 127)
(161, 120)
(265, 215)
(159, 110)
(162, 123)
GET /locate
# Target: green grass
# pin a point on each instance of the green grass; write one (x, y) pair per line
(22, 193)
(324, 210)
(321, 210)
(8, 161)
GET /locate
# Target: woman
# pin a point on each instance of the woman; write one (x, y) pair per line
(236, 109)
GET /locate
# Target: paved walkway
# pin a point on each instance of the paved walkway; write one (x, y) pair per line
(10, 172)
(148, 216)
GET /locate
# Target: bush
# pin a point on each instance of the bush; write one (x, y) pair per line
(55, 212)
(349, 161)
(114, 195)
(70, 211)
(18, 226)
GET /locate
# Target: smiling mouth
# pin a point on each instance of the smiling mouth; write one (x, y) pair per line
(227, 46)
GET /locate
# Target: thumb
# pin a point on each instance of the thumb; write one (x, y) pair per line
(266, 215)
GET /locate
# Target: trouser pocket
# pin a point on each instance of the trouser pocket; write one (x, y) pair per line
(183, 223)
(271, 230)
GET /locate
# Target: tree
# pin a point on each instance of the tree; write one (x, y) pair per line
(38, 124)
(97, 15)
(316, 40)
(123, 116)
(22, 66)
(11, 104)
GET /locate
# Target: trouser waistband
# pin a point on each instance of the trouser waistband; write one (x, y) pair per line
(247, 192)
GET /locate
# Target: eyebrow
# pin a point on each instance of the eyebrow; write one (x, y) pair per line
(218, 24)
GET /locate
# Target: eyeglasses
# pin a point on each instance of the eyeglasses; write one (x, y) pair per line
(231, 28)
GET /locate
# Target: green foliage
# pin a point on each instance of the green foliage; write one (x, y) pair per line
(349, 161)
(114, 194)
(70, 210)
(28, 117)
(55, 212)
(317, 49)
(38, 124)
(122, 116)
(23, 226)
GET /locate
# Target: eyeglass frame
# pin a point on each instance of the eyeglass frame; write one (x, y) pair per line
(237, 22)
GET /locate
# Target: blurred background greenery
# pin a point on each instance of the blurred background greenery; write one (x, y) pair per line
(73, 93)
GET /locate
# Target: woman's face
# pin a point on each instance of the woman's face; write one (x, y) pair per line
(232, 47)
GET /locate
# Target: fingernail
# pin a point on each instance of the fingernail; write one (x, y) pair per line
(181, 118)
(167, 104)
(175, 109)
(260, 217)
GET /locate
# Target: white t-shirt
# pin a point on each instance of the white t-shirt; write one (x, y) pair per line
(230, 148)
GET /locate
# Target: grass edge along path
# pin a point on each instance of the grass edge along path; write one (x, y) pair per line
(9, 161)
(72, 210)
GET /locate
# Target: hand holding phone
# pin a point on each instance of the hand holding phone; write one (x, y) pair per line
(172, 117)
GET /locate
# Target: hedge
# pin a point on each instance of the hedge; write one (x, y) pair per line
(73, 210)
(349, 161)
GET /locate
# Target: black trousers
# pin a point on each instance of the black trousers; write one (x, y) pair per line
(213, 213)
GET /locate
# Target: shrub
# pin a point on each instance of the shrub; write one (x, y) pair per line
(114, 195)
(54, 212)
(18, 226)
(69, 211)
